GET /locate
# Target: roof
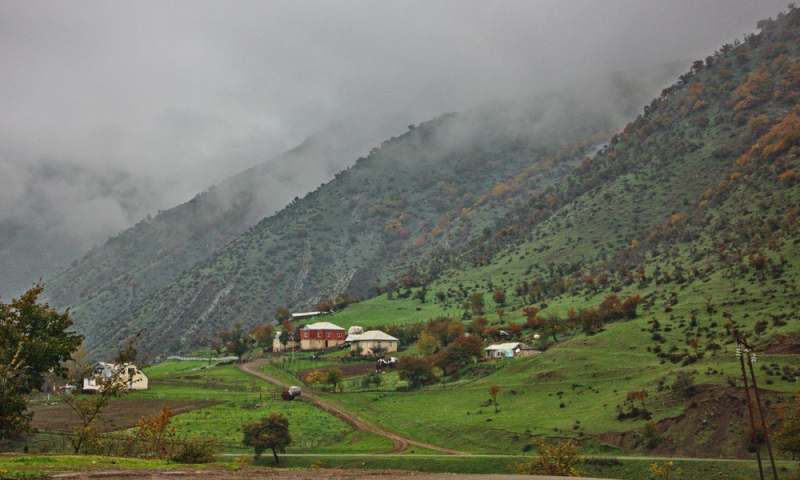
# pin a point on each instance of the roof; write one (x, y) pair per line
(508, 346)
(323, 326)
(371, 335)
(306, 314)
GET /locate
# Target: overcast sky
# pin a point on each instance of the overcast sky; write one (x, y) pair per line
(164, 98)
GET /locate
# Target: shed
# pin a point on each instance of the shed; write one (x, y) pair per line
(509, 350)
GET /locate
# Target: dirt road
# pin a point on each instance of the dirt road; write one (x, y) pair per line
(309, 396)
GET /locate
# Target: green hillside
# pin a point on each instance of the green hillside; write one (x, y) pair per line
(694, 208)
(434, 187)
(111, 280)
(629, 267)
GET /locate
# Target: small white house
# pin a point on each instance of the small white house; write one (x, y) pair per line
(365, 342)
(509, 350)
(102, 372)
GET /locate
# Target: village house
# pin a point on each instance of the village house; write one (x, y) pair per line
(364, 343)
(102, 372)
(321, 335)
(509, 350)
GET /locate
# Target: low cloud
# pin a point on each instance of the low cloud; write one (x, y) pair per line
(113, 110)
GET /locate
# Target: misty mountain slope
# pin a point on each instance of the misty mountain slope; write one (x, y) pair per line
(150, 255)
(342, 237)
(661, 165)
(54, 210)
(694, 209)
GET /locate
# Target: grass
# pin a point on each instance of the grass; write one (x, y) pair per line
(311, 428)
(23, 466)
(381, 311)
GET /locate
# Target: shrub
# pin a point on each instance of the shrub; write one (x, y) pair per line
(194, 451)
(555, 459)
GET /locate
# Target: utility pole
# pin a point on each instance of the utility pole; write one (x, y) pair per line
(746, 355)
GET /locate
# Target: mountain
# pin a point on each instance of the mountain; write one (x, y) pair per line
(57, 209)
(111, 281)
(360, 230)
(633, 276)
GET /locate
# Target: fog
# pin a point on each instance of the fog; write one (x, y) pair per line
(114, 110)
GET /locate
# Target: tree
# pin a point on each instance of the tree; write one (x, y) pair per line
(88, 409)
(263, 335)
(558, 459)
(531, 316)
(428, 344)
(550, 325)
(127, 354)
(476, 303)
(499, 296)
(315, 377)
(238, 341)
(334, 377)
(478, 325)
(416, 371)
(287, 333)
(270, 432)
(630, 305)
(77, 366)
(493, 391)
(33, 340)
(282, 314)
(471, 344)
(154, 437)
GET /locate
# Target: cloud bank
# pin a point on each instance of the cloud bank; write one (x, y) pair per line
(112, 110)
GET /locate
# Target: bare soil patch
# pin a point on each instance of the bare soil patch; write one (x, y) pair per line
(348, 369)
(714, 424)
(118, 415)
(784, 344)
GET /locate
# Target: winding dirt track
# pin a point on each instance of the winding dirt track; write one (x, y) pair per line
(309, 396)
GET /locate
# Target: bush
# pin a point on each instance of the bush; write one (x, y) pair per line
(684, 384)
(194, 451)
(556, 459)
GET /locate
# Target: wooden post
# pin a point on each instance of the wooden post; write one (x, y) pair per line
(754, 434)
(751, 359)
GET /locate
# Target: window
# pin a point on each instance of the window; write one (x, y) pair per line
(329, 334)
(131, 371)
(339, 334)
(379, 344)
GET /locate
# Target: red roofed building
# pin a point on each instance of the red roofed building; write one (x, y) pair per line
(321, 335)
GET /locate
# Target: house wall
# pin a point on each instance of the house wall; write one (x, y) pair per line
(277, 346)
(365, 346)
(318, 339)
(140, 381)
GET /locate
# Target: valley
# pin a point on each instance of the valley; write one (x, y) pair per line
(632, 263)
